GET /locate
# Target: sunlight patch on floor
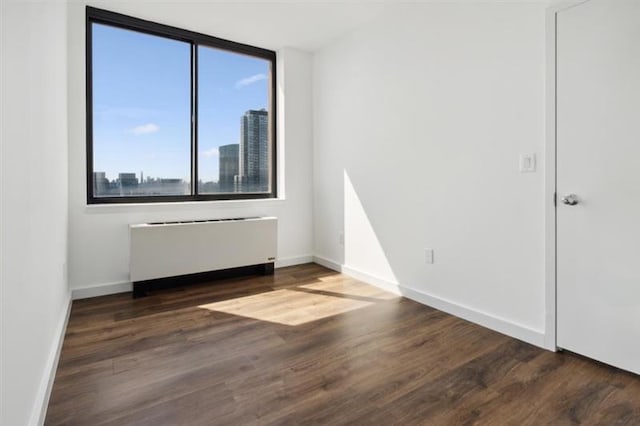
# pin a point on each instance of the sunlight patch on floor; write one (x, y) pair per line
(302, 304)
(353, 288)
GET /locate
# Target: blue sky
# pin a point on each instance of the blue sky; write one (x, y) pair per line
(141, 101)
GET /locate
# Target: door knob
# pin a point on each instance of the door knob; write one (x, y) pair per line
(570, 200)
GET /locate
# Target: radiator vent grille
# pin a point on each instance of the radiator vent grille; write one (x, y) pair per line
(201, 221)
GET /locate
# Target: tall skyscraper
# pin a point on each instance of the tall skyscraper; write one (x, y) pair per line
(254, 151)
(229, 166)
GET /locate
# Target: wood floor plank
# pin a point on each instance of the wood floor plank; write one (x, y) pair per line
(311, 346)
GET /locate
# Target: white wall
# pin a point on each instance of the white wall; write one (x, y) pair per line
(34, 296)
(98, 235)
(419, 120)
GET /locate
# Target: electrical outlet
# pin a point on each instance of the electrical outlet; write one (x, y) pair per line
(428, 256)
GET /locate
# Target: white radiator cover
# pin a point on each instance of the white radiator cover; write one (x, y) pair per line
(160, 250)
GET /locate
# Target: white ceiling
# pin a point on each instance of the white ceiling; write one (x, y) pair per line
(273, 24)
(269, 24)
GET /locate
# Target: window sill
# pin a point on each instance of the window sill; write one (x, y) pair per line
(179, 206)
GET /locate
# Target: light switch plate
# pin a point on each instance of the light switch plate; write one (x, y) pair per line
(527, 163)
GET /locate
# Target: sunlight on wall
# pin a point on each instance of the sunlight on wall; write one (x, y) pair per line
(362, 249)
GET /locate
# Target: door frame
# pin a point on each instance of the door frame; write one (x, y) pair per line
(550, 178)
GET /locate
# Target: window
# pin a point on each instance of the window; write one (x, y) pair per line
(174, 115)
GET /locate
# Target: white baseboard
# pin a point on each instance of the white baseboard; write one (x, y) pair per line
(292, 261)
(46, 384)
(328, 263)
(495, 323)
(373, 280)
(101, 290)
(492, 322)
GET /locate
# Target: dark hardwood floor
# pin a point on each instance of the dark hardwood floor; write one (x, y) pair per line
(311, 346)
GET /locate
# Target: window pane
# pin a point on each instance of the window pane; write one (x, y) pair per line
(234, 131)
(141, 114)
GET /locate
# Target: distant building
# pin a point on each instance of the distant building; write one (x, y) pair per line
(254, 151)
(229, 166)
(100, 183)
(127, 183)
(127, 179)
(172, 186)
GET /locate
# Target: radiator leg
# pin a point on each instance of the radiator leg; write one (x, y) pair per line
(268, 268)
(139, 290)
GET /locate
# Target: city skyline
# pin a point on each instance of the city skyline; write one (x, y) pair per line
(243, 167)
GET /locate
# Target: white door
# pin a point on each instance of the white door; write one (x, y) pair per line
(598, 154)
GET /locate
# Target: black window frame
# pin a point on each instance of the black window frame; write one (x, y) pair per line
(117, 20)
